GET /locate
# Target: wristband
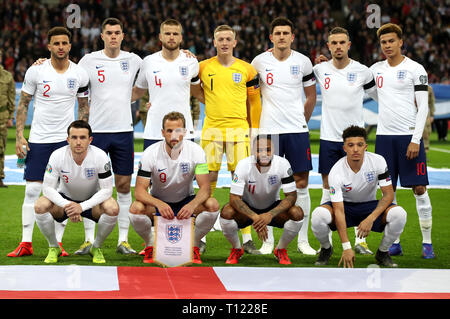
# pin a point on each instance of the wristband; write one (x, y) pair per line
(346, 245)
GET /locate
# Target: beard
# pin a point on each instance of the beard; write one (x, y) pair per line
(171, 47)
(57, 57)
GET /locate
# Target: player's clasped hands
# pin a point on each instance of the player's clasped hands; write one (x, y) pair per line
(260, 223)
(73, 211)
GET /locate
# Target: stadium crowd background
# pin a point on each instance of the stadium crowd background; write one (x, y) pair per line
(426, 27)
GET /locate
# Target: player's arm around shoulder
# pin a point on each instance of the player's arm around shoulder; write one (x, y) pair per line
(197, 92)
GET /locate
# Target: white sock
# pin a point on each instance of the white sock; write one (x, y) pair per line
(290, 230)
(246, 237)
(230, 231)
(203, 224)
(59, 229)
(270, 239)
(32, 192)
(89, 230)
(396, 220)
(424, 210)
(320, 219)
(142, 224)
(124, 201)
(304, 201)
(106, 225)
(325, 196)
(46, 224)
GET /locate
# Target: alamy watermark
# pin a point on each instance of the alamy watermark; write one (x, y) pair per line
(373, 20)
(73, 19)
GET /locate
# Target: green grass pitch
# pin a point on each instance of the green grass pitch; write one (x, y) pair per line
(218, 247)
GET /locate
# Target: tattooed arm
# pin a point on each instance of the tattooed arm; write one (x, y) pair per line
(21, 118)
(83, 109)
(287, 202)
(241, 207)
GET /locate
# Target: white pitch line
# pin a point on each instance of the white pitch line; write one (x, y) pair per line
(439, 150)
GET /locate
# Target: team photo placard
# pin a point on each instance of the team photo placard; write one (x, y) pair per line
(173, 241)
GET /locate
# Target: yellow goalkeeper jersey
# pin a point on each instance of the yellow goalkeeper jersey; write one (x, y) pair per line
(226, 91)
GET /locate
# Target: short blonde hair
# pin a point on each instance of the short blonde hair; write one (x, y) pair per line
(389, 28)
(224, 27)
(170, 22)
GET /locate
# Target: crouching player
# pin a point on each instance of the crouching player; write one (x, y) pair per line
(255, 200)
(170, 166)
(77, 183)
(354, 181)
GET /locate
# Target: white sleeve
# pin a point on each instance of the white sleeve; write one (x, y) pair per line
(308, 77)
(83, 90)
(373, 93)
(369, 83)
(316, 70)
(50, 183)
(30, 83)
(335, 187)
(141, 81)
(384, 177)
(105, 181)
(137, 62)
(239, 178)
(195, 77)
(145, 166)
(287, 179)
(421, 95)
(255, 63)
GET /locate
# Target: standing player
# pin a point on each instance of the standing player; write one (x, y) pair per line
(343, 82)
(231, 92)
(255, 200)
(354, 181)
(402, 88)
(77, 183)
(170, 167)
(112, 73)
(169, 76)
(55, 85)
(286, 78)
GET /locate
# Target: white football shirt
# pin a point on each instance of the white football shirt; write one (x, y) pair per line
(172, 180)
(168, 84)
(348, 186)
(342, 97)
(396, 87)
(282, 84)
(110, 85)
(54, 98)
(80, 182)
(260, 190)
